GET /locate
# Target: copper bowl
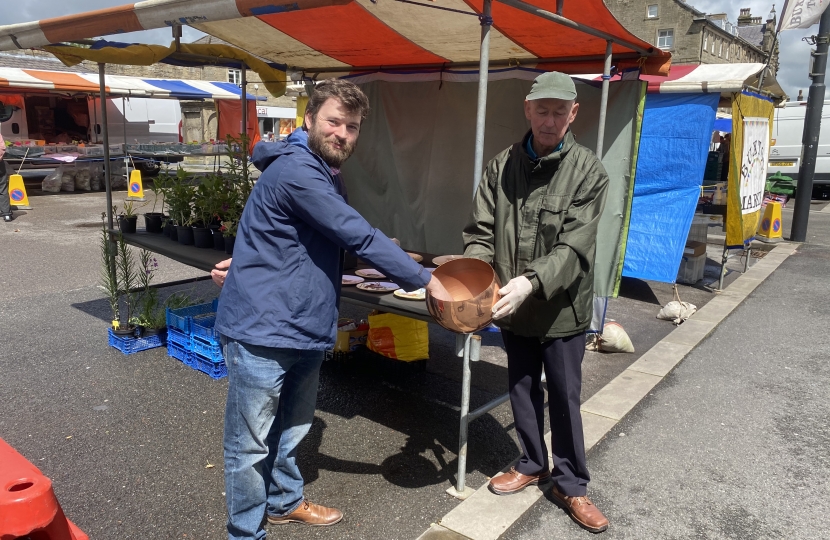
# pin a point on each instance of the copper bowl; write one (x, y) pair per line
(473, 286)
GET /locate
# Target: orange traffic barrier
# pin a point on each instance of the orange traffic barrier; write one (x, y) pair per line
(28, 506)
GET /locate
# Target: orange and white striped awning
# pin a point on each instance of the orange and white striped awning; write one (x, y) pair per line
(319, 36)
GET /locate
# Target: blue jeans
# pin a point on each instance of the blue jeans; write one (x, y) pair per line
(270, 407)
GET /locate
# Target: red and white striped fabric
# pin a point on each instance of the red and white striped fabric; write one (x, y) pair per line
(320, 35)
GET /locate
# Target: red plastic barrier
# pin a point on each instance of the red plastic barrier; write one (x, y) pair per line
(28, 506)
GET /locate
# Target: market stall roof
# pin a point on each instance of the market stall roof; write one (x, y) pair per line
(709, 78)
(17, 80)
(337, 36)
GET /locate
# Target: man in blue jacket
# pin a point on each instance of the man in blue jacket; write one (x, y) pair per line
(278, 309)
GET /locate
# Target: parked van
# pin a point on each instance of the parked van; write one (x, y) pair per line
(786, 143)
(59, 119)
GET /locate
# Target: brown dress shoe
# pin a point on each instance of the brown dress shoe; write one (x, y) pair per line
(513, 481)
(581, 510)
(309, 514)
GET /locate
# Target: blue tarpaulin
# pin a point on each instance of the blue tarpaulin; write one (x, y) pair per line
(674, 144)
(724, 125)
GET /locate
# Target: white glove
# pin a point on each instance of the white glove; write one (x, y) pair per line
(513, 294)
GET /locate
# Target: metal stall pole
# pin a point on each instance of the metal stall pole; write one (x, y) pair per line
(244, 134)
(463, 342)
(483, 73)
(124, 124)
(103, 91)
(603, 103)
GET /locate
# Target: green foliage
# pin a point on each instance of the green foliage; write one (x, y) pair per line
(127, 276)
(109, 279)
(180, 198)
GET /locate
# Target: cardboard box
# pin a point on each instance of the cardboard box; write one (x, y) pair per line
(691, 269)
(694, 248)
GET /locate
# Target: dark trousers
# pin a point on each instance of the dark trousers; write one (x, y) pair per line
(562, 361)
(5, 208)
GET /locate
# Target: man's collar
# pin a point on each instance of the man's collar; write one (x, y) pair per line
(532, 153)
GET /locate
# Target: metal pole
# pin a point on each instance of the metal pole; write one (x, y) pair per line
(603, 103)
(124, 115)
(812, 127)
(244, 137)
(103, 91)
(465, 408)
(483, 73)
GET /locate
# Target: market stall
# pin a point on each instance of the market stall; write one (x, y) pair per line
(440, 40)
(679, 117)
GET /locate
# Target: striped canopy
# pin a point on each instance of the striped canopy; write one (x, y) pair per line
(339, 36)
(16, 80)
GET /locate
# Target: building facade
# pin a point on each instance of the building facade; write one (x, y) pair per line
(694, 37)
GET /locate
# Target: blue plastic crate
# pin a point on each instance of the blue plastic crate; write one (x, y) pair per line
(207, 350)
(215, 369)
(180, 353)
(181, 318)
(179, 338)
(132, 345)
(202, 327)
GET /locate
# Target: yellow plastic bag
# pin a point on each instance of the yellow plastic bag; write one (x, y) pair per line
(398, 337)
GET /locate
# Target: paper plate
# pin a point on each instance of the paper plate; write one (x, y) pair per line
(438, 261)
(350, 280)
(415, 256)
(378, 286)
(370, 273)
(419, 294)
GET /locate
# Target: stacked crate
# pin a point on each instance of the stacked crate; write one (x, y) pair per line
(192, 339)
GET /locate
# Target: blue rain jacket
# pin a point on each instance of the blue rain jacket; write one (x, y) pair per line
(283, 287)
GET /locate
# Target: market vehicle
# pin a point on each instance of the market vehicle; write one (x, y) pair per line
(58, 119)
(786, 144)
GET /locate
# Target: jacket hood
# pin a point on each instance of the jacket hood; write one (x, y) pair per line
(266, 152)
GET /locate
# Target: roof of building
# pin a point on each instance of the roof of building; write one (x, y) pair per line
(28, 61)
(752, 33)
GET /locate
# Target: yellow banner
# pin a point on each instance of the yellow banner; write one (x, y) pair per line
(748, 155)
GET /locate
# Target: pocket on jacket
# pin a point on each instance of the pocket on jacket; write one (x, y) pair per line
(551, 218)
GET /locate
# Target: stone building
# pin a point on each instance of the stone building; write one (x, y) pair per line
(694, 37)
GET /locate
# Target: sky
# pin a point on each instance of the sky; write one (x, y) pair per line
(794, 53)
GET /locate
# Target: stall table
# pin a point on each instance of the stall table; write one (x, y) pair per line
(468, 346)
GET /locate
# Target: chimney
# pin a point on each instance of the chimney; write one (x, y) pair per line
(745, 18)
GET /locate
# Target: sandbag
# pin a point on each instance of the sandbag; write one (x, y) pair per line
(52, 182)
(615, 339)
(677, 311)
(68, 179)
(83, 178)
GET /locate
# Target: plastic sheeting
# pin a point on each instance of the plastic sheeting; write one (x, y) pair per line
(676, 132)
(412, 173)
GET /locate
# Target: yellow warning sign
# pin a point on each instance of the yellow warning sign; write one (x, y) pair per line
(769, 230)
(135, 190)
(17, 191)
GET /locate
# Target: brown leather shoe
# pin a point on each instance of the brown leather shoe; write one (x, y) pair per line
(581, 510)
(309, 514)
(513, 481)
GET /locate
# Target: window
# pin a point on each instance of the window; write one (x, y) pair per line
(720, 50)
(665, 38)
(705, 41)
(727, 51)
(651, 11)
(235, 76)
(713, 45)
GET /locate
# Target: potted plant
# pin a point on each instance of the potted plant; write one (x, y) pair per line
(127, 218)
(153, 220)
(206, 205)
(179, 203)
(109, 276)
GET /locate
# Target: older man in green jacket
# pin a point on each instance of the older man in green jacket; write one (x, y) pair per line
(535, 219)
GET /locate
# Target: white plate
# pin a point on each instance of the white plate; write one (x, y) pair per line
(378, 286)
(438, 261)
(415, 256)
(350, 280)
(419, 294)
(370, 273)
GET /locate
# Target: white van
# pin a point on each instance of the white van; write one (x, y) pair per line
(48, 117)
(787, 133)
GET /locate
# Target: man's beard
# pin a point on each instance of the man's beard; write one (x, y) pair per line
(319, 145)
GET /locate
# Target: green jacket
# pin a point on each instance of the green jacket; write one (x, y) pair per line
(539, 219)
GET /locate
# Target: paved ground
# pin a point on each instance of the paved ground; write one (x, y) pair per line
(129, 440)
